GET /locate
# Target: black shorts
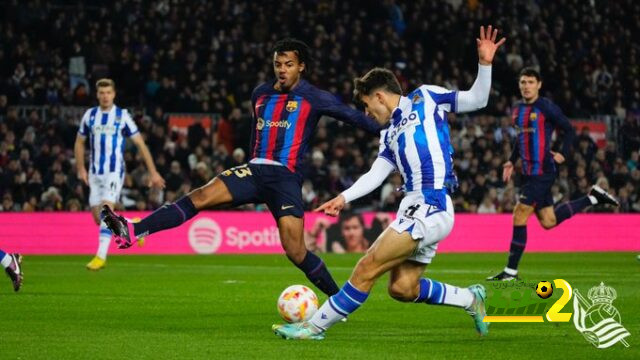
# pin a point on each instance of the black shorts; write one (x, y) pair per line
(275, 185)
(536, 190)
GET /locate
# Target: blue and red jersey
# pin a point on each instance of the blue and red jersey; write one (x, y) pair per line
(535, 123)
(283, 123)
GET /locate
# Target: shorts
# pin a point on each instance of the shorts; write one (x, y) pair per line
(105, 187)
(536, 190)
(426, 223)
(275, 185)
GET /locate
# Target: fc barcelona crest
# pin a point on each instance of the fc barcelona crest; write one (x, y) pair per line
(533, 116)
(292, 106)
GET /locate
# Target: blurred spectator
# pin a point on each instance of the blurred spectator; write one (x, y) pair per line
(208, 56)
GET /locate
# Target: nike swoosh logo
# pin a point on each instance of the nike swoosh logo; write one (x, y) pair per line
(286, 207)
(261, 105)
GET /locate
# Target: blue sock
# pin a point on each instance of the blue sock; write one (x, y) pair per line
(437, 293)
(338, 307)
(568, 209)
(518, 243)
(318, 274)
(431, 292)
(166, 217)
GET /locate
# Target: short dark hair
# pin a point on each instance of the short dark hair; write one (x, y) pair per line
(529, 71)
(302, 50)
(348, 215)
(376, 78)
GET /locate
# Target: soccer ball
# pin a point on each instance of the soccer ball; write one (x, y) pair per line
(297, 303)
(544, 289)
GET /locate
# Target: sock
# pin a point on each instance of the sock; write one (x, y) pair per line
(338, 307)
(318, 274)
(103, 241)
(437, 293)
(518, 243)
(568, 209)
(166, 217)
(5, 259)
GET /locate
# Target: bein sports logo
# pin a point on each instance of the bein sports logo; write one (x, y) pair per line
(205, 236)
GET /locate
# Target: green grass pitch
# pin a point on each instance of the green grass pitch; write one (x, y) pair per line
(222, 307)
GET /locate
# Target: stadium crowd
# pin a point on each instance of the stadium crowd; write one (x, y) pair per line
(207, 56)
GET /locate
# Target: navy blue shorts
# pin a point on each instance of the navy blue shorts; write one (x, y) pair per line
(274, 185)
(536, 190)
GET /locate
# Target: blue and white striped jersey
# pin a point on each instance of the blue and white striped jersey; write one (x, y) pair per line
(107, 132)
(417, 142)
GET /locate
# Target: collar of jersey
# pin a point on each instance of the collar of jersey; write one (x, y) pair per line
(396, 114)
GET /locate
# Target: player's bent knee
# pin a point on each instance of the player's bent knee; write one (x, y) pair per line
(548, 223)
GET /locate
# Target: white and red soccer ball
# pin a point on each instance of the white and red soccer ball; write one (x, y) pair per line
(297, 303)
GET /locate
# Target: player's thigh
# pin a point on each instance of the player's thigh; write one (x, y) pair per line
(388, 251)
(521, 213)
(547, 217)
(282, 191)
(404, 280)
(235, 186)
(104, 189)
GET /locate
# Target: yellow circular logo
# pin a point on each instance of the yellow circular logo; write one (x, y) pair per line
(260, 123)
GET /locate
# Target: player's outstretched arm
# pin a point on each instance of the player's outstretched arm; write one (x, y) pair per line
(478, 96)
(365, 184)
(155, 180)
(330, 106)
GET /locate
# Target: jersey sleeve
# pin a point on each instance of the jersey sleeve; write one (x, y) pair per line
(384, 151)
(327, 104)
(130, 127)
(445, 99)
(83, 130)
(561, 121)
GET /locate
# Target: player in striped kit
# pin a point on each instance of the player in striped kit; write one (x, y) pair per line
(536, 118)
(416, 143)
(285, 114)
(107, 126)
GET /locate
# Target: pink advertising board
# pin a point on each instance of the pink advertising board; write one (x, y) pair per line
(249, 232)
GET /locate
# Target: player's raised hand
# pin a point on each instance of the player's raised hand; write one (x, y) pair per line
(557, 157)
(156, 181)
(507, 171)
(487, 45)
(333, 206)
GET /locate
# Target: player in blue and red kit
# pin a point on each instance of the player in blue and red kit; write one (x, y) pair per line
(285, 115)
(536, 118)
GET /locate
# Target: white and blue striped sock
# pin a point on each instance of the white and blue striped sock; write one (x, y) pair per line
(437, 293)
(104, 241)
(338, 307)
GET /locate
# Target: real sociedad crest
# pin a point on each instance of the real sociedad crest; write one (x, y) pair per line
(598, 321)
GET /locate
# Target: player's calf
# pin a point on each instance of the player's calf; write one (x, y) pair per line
(403, 291)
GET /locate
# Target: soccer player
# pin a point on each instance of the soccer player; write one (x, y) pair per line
(11, 264)
(107, 126)
(285, 114)
(536, 118)
(417, 144)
